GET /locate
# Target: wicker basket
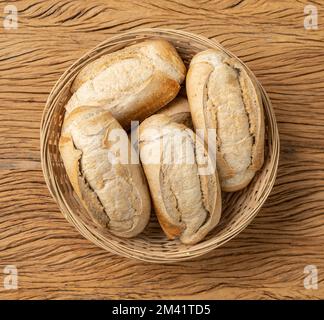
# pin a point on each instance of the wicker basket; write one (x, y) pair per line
(239, 208)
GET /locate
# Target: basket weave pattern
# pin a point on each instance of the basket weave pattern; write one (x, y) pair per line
(239, 208)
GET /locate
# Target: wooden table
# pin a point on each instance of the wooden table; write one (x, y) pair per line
(267, 260)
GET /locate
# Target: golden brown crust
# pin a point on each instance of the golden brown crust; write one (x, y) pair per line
(71, 163)
(169, 53)
(131, 83)
(187, 203)
(171, 230)
(178, 110)
(150, 99)
(219, 89)
(166, 50)
(71, 157)
(85, 147)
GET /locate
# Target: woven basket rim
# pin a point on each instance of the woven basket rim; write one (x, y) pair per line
(93, 235)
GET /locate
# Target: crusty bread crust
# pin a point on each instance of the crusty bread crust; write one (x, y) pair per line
(222, 96)
(115, 194)
(178, 110)
(187, 204)
(131, 83)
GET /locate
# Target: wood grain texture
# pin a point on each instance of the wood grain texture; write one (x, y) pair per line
(267, 259)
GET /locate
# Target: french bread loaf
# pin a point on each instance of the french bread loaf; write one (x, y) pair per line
(114, 193)
(131, 83)
(224, 98)
(187, 203)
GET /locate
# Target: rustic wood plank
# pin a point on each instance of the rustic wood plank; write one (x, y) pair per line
(267, 260)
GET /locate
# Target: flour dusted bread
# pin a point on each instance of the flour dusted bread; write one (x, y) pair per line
(223, 97)
(113, 191)
(178, 110)
(186, 199)
(131, 83)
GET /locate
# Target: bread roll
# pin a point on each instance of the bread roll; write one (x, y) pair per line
(178, 110)
(114, 193)
(223, 97)
(131, 83)
(187, 201)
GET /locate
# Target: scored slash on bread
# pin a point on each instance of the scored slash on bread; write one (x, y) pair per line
(187, 203)
(223, 97)
(131, 83)
(115, 194)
